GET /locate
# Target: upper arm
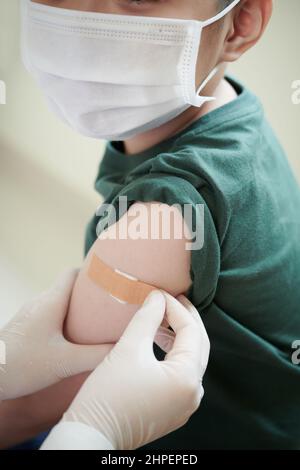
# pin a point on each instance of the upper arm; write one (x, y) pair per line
(158, 257)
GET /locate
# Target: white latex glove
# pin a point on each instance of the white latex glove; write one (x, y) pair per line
(132, 398)
(164, 337)
(37, 354)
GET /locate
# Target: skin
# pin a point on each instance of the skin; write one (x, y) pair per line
(25, 417)
(163, 263)
(223, 42)
(105, 318)
(149, 260)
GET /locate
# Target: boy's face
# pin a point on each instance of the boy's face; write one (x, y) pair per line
(212, 37)
(187, 9)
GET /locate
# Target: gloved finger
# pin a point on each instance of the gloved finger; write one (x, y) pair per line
(58, 295)
(191, 342)
(165, 322)
(80, 358)
(51, 303)
(146, 320)
(189, 306)
(195, 314)
(64, 281)
(164, 338)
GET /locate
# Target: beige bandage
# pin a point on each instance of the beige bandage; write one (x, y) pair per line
(118, 284)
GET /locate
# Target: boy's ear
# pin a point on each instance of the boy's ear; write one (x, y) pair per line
(248, 23)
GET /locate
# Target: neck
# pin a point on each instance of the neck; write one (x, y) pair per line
(217, 87)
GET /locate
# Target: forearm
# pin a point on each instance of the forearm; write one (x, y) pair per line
(25, 417)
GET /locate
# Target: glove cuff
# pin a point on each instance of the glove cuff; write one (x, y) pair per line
(72, 435)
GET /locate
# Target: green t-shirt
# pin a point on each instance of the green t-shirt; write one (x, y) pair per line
(246, 277)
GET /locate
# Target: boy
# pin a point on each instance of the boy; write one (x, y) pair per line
(220, 154)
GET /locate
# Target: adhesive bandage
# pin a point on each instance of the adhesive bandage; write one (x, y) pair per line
(122, 286)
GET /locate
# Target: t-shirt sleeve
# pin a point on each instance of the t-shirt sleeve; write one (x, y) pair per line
(174, 190)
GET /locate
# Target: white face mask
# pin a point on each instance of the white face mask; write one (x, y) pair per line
(113, 76)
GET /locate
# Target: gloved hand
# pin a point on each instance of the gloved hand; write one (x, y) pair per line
(132, 398)
(37, 354)
(164, 337)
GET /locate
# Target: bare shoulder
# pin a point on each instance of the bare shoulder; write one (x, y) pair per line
(149, 243)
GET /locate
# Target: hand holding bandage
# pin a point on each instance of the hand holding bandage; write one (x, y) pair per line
(132, 398)
(127, 289)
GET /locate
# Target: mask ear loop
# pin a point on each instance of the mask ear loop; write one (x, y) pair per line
(221, 14)
(199, 100)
